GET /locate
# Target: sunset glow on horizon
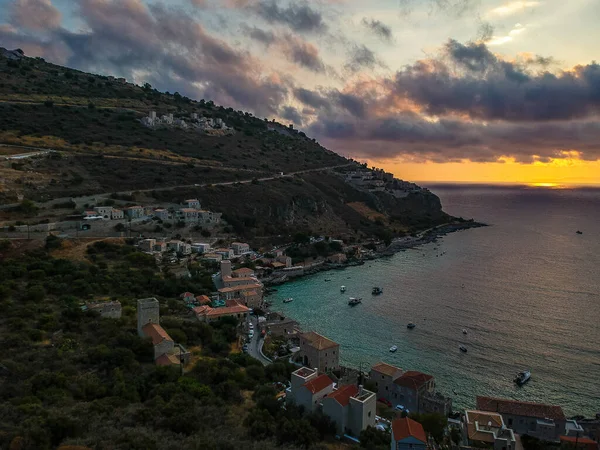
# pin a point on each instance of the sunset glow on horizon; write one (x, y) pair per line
(460, 90)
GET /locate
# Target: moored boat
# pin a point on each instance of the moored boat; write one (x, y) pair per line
(393, 348)
(462, 348)
(377, 291)
(522, 377)
(354, 301)
(342, 288)
(288, 300)
(410, 326)
(464, 331)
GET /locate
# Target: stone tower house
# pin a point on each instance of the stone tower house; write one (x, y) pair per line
(148, 311)
(225, 268)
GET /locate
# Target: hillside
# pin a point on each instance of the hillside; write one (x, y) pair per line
(94, 122)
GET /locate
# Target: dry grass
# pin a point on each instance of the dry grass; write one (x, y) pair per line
(76, 249)
(367, 212)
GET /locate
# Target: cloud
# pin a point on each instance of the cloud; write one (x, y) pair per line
(466, 103)
(486, 87)
(298, 16)
(378, 28)
(455, 140)
(499, 40)
(359, 57)
(37, 15)
(127, 37)
(455, 8)
(290, 113)
(266, 37)
(303, 53)
(513, 8)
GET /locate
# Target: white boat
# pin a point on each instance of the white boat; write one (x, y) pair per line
(522, 377)
(342, 288)
(354, 301)
(393, 348)
(464, 331)
(288, 300)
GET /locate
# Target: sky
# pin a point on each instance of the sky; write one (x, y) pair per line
(432, 90)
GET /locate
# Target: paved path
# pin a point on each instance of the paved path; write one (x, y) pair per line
(255, 344)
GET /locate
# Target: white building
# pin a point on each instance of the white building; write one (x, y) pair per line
(161, 213)
(481, 428)
(201, 248)
(188, 214)
(352, 408)
(117, 214)
(240, 248)
(192, 203)
(308, 388)
(104, 211)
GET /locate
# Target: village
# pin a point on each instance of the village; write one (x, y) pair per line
(385, 397)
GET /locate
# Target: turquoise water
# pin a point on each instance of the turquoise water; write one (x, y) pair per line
(530, 300)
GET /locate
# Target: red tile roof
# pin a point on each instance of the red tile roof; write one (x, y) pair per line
(203, 299)
(413, 379)
(406, 427)
(318, 384)
(582, 442)
(243, 270)
(317, 341)
(167, 360)
(386, 369)
(156, 332)
(186, 294)
(343, 394)
(517, 408)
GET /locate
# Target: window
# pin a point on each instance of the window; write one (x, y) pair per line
(369, 414)
(386, 388)
(510, 422)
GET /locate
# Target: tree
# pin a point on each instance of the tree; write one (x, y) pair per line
(433, 423)
(455, 435)
(119, 227)
(374, 439)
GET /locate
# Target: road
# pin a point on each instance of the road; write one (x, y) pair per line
(255, 344)
(93, 197)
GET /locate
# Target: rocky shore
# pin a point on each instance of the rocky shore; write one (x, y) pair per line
(397, 245)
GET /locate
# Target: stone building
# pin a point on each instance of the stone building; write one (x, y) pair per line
(166, 352)
(383, 375)
(545, 422)
(111, 310)
(411, 388)
(318, 352)
(352, 408)
(308, 388)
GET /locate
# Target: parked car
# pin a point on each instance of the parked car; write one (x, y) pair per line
(385, 401)
(245, 348)
(402, 408)
(251, 334)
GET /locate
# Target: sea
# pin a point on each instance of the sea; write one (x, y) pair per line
(526, 288)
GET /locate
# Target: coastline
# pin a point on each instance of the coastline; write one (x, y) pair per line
(397, 245)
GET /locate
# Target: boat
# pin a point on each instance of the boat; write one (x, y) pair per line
(464, 331)
(377, 290)
(522, 377)
(327, 279)
(463, 349)
(393, 348)
(342, 288)
(410, 326)
(354, 301)
(288, 300)
(579, 232)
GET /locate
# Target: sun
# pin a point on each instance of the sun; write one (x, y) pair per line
(547, 185)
